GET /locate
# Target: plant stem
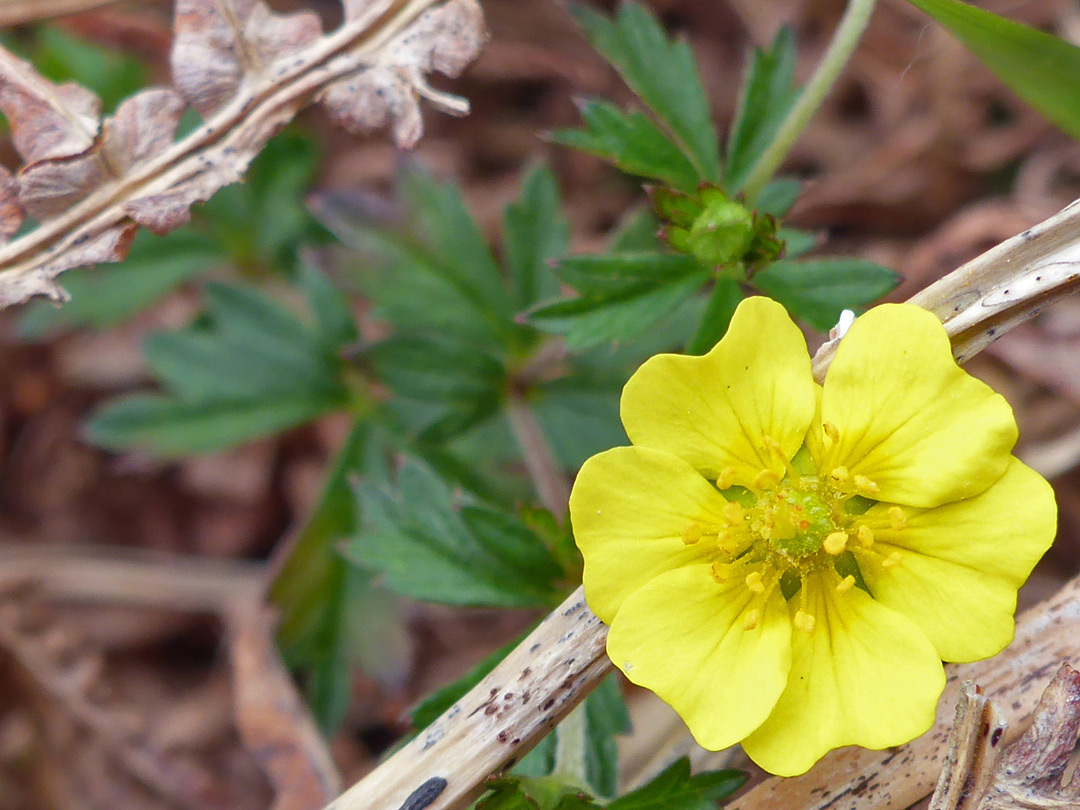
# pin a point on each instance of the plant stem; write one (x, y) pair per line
(847, 36)
(570, 748)
(539, 459)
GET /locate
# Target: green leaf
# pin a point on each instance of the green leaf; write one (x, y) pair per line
(437, 368)
(766, 98)
(818, 291)
(535, 232)
(778, 197)
(111, 294)
(797, 242)
(637, 231)
(632, 142)
(171, 428)
(334, 321)
(1040, 68)
(600, 273)
(676, 789)
(426, 545)
(591, 320)
(605, 716)
(662, 73)
(724, 298)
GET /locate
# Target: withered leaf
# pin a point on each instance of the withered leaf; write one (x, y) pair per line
(11, 210)
(47, 120)
(445, 38)
(219, 44)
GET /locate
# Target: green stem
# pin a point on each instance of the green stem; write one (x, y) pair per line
(847, 36)
(570, 748)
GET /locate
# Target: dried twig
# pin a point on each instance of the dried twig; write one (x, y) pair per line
(272, 718)
(20, 12)
(981, 774)
(247, 71)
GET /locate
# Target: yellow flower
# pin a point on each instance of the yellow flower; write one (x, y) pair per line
(787, 564)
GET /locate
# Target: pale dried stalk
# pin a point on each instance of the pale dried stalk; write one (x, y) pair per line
(564, 659)
(20, 12)
(974, 749)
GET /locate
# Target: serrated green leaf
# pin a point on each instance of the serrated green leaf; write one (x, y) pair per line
(605, 716)
(676, 789)
(591, 320)
(765, 99)
(636, 231)
(172, 428)
(437, 368)
(423, 545)
(819, 290)
(601, 273)
(334, 321)
(662, 73)
(724, 298)
(1039, 67)
(632, 142)
(778, 196)
(535, 232)
(111, 294)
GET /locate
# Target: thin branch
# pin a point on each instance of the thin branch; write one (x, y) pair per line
(540, 460)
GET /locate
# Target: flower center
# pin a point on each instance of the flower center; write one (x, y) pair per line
(796, 520)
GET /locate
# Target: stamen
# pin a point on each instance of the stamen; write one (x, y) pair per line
(846, 584)
(727, 543)
(766, 479)
(754, 583)
(835, 543)
(752, 619)
(727, 478)
(733, 512)
(839, 474)
(719, 575)
(897, 518)
(804, 621)
(831, 433)
(865, 484)
(691, 534)
(892, 560)
(778, 451)
(866, 537)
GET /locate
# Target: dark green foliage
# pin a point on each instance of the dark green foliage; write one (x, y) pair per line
(766, 98)
(663, 74)
(423, 542)
(1039, 67)
(676, 789)
(817, 291)
(249, 368)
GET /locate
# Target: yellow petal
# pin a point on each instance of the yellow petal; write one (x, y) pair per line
(715, 411)
(629, 509)
(864, 675)
(909, 419)
(684, 637)
(960, 564)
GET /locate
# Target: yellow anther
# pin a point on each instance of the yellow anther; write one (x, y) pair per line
(727, 478)
(728, 545)
(846, 584)
(751, 619)
(733, 512)
(835, 543)
(766, 479)
(691, 534)
(773, 445)
(831, 433)
(865, 484)
(719, 573)
(866, 536)
(839, 474)
(892, 560)
(754, 583)
(897, 518)
(804, 621)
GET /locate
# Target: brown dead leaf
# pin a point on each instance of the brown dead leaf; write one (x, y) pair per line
(272, 719)
(1027, 775)
(11, 210)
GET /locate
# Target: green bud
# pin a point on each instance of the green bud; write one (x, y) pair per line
(723, 232)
